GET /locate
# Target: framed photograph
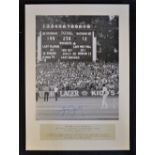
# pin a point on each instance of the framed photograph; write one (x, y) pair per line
(77, 74)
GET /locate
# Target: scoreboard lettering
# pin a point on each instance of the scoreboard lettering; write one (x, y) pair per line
(60, 42)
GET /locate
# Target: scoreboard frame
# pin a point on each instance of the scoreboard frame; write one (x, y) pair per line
(59, 42)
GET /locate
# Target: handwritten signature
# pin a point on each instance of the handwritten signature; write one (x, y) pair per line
(71, 110)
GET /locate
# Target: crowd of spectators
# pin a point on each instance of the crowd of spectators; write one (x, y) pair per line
(77, 76)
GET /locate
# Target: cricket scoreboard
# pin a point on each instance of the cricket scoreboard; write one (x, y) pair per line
(66, 42)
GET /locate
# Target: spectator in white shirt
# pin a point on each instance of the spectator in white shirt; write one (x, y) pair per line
(56, 93)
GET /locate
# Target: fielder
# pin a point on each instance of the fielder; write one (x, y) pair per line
(56, 93)
(104, 99)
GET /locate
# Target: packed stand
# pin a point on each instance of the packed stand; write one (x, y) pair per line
(77, 76)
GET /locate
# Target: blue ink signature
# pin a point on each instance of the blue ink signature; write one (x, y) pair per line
(71, 110)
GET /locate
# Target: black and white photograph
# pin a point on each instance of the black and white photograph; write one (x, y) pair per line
(77, 67)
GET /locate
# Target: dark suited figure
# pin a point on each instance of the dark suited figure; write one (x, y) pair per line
(46, 94)
(37, 94)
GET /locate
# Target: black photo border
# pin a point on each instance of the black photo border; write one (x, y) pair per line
(132, 46)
